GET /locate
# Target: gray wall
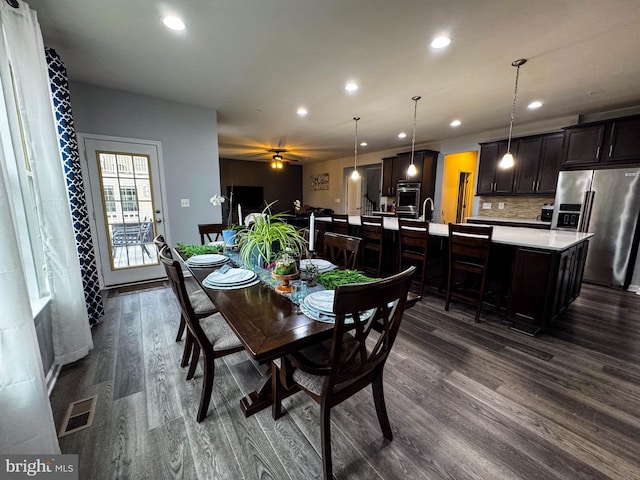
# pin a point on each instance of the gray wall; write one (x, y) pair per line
(45, 337)
(189, 137)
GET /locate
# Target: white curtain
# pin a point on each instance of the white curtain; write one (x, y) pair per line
(23, 399)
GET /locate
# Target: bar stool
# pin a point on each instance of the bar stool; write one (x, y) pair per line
(468, 263)
(340, 223)
(371, 232)
(414, 238)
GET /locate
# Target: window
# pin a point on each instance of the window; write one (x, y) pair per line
(124, 164)
(110, 199)
(141, 165)
(128, 199)
(108, 164)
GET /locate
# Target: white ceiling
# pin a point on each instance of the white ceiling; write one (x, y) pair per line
(257, 61)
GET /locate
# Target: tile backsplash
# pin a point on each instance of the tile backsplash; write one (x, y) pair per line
(513, 207)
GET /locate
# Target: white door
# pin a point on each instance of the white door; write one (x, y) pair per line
(354, 195)
(126, 196)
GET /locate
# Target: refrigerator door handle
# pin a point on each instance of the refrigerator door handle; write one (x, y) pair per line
(586, 213)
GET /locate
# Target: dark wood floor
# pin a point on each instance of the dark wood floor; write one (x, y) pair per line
(466, 401)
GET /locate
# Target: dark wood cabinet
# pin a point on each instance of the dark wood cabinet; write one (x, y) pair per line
(404, 160)
(389, 176)
(538, 164)
(624, 141)
(493, 180)
(583, 145)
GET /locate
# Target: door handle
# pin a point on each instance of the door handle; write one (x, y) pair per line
(159, 220)
(598, 153)
(533, 186)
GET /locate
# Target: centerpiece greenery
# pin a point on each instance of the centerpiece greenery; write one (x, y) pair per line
(268, 235)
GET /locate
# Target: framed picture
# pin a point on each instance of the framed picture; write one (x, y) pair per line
(320, 181)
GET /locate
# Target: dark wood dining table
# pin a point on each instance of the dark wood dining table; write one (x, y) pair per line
(268, 324)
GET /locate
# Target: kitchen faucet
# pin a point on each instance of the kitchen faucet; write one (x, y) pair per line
(424, 209)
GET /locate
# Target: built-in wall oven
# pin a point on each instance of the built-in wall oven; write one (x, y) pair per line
(408, 199)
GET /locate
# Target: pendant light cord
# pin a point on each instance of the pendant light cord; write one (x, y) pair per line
(415, 111)
(355, 149)
(518, 64)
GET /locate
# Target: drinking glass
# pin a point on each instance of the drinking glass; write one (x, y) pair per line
(298, 291)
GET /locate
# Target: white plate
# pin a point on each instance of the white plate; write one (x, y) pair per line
(232, 287)
(321, 301)
(217, 243)
(207, 259)
(231, 277)
(323, 317)
(318, 262)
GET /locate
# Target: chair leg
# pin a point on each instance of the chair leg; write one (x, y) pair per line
(188, 346)
(276, 392)
(181, 328)
(193, 363)
(207, 387)
(325, 434)
(381, 408)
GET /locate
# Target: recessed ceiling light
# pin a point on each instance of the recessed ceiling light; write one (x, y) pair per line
(402, 135)
(363, 144)
(535, 104)
(174, 23)
(440, 42)
(351, 87)
(456, 123)
(302, 112)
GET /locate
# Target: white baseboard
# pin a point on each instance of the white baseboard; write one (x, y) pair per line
(52, 377)
(635, 289)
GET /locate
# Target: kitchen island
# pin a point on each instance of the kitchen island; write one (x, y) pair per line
(538, 273)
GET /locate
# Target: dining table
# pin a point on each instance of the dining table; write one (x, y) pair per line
(267, 323)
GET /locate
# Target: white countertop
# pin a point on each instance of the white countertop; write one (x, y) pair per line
(557, 240)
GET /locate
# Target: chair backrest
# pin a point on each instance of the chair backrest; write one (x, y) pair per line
(413, 236)
(470, 244)
(340, 223)
(159, 242)
(371, 228)
(341, 250)
(350, 359)
(207, 230)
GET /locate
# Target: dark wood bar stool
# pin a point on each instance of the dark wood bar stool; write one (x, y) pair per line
(371, 231)
(468, 263)
(210, 232)
(339, 223)
(414, 239)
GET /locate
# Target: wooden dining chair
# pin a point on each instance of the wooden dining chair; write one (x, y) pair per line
(212, 336)
(210, 232)
(339, 223)
(202, 306)
(334, 370)
(469, 247)
(341, 250)
(371, 232)
(413, 239)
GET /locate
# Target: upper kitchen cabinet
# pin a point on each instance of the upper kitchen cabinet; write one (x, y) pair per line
(624, 141)
(582, 145)
(389, 176)
(404, 160)
(538, 164)
(596, 145)
(493, 180)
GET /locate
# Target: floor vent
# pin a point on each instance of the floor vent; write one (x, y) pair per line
(79, 416)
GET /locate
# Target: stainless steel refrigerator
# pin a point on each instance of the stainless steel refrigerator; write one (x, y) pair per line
(607, 204)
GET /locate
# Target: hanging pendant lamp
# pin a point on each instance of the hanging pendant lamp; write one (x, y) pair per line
(355, 175)
(412, 170)
(508, 161)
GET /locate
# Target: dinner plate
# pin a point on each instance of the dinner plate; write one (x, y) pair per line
(233, 276)
(207, 259)
(321, 301)
(322, 265)
(232, 287)
(217, 243)
(330, 318)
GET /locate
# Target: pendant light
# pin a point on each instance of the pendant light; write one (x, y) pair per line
(507, 161)
(355, 175)
(412, 170)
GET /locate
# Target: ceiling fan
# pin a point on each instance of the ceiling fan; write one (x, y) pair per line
(277, 160)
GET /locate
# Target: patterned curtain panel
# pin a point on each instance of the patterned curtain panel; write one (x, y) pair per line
(75, 188)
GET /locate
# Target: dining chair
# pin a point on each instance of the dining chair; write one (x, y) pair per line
(201, 304)
(371, 231)
(212, 336)
(469, 247)
(339, 223)
(334, 370)
(210, 232)
(413, 239)
(341, 250)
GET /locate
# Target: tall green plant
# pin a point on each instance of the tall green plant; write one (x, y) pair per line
(268, 235)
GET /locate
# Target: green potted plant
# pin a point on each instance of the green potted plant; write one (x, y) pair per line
(268, 235)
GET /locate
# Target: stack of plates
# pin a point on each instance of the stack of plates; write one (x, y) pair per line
(207, 260)
(232, 279)
(321, 265)
(319, 306)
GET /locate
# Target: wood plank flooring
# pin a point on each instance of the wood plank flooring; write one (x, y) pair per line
(465, 400)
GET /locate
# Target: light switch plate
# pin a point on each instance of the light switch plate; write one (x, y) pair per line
(486, 206)
(184, 202)
(501, 206)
